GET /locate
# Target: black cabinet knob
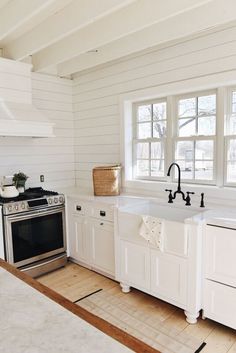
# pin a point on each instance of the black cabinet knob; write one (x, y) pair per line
(102, 213)
(78, 208)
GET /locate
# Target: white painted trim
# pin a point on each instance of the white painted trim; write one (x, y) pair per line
(183, 87)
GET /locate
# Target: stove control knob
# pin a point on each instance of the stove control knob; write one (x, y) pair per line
(61, 199)
(16, 207)
(50, 201)
(9, 208)
(23, 206)
(55, 199)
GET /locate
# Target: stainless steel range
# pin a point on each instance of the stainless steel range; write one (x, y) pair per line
(34, 231)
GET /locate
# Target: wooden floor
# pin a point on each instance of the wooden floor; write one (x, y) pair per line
(75, 282)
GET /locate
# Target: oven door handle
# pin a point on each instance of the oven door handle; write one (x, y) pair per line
(33, 214)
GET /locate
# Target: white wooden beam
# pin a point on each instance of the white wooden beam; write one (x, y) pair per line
(76, 15)
(19, 16)
(136, 16)
(185, 24)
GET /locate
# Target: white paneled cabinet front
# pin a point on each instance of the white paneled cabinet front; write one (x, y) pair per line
(219, 291)
(168, 276)
(102, 245)
(79, 242)
(91, 235)
(171, 272)
(135, 265)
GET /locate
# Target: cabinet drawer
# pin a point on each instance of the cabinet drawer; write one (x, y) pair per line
(103, 213)
(78, 207)
(220, 244)
(219, 303)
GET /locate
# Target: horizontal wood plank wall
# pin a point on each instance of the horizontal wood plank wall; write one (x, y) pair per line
(53, 157)
(96, 93)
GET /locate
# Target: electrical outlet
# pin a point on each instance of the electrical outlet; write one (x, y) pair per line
(42, 178)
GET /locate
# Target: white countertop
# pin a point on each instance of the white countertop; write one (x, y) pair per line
(215, 214)
(32, 323)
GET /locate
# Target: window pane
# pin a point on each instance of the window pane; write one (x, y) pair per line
(159, 111)
(231, 150)
(143, 150)
(206, 125)
(233, 102)
(187, 107)
(204, 150)
(232, 124)
(207, 105)
(145, 112)
(157, 150)
(204, 170)
(187, 127)
(157, 168)
(144, 130)
(186, 169)
(142, 168)
(184, 150)
(159, 129)
(231, 172)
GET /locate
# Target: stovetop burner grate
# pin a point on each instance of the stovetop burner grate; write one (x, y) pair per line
(29, 194)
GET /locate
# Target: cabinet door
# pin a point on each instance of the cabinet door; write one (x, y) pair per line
(78, 239)
(219, 303)
(220, 259)
(135, 264)
(169, 276)
(102, 246)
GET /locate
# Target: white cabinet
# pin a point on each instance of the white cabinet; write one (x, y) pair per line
(220, 303)
(171, 273)
(79, 240)
(219, 291)
(102, 246)
(168, 276)
(135, 265)
(91, 235)
(220, 254)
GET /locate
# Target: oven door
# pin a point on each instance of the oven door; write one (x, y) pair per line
(34, 235)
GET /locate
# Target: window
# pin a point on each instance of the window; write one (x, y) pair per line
(186, 129)
(195, 136)
(231, 138)
(150, 126)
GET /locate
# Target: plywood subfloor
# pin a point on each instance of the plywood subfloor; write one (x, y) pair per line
(74, 282)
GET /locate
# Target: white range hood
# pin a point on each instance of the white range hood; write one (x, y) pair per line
(21, 119)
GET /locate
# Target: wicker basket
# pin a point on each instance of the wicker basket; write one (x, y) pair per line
(106, 180)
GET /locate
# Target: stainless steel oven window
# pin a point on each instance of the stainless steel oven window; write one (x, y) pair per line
(28, 218)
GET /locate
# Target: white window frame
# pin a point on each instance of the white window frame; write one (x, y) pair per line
(224, 193)
(227, 136)
(194, 138)
(136, 140)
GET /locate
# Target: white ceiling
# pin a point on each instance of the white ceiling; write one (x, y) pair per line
(64, 37)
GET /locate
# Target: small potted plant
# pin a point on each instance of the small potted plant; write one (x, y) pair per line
(19, 180)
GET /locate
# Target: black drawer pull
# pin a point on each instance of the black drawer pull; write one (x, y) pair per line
(102, 213)
(78, 208)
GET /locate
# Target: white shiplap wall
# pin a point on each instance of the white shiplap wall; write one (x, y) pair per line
(96, 93)
(53, 157)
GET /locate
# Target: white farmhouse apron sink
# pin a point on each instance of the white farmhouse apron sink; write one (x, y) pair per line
(170, 271)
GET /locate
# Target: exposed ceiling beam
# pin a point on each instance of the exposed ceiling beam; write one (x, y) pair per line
(136, 16)
(76, 15)
(19, 16)
(185, 24)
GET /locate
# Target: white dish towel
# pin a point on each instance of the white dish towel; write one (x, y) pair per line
(151, 229)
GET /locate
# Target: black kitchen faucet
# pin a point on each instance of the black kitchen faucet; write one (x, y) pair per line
(187, 198)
